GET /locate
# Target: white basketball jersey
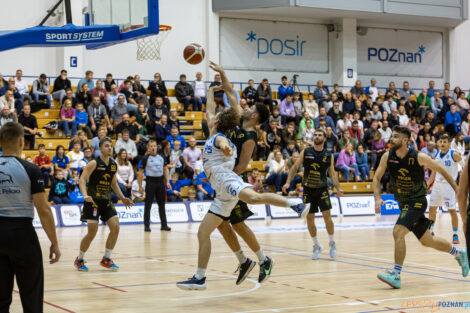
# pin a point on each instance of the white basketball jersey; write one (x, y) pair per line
(447, 161)
(214, 160)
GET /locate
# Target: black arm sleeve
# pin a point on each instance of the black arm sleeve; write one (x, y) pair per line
(35, 176)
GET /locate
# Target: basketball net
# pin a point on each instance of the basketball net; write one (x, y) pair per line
(148, 48)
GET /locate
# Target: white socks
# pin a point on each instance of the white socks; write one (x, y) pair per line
(332, 239)
(315, 241)
(201, 273)
(261, 256)
(107, 253)
(241, 256)
(81, 254)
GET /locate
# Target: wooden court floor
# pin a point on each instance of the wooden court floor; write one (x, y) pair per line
(151, 264)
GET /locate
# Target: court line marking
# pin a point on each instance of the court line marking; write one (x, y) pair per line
(106, 286)
(58, 307)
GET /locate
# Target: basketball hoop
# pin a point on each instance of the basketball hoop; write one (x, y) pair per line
(148, 48)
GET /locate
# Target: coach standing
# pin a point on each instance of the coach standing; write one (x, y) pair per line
(156, 173)
(21, 187)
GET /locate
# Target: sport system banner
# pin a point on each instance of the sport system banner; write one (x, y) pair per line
(273, 46)
(395, 52)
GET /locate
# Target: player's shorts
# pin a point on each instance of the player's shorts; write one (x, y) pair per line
(227, 186)
(442, 195)
(240, 213)
(412, 216)
(103, 209)
(319, 199)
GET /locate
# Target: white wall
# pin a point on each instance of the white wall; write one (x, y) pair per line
(459, 46)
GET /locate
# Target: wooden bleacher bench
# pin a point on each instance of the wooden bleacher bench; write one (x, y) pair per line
(260, 165)
(357, 187)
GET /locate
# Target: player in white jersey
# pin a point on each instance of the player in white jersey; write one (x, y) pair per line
(442, 193)
(219, 159)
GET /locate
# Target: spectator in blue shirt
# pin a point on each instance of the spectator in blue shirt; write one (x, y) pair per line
(81, 119)
(174, 194)
(204, 189)
(285, 88)
(431, 89)
(176, 136)
(452, 121)
(61, 161)
(88, 79)
(226, 103)
(322, 116)
(321, 93)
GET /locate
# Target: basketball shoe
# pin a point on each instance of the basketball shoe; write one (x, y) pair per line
(244, 269)
(109, 264)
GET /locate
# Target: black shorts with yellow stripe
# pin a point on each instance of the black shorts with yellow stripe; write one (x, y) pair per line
(240, 213)
(319, 199)
(101, 209)
(412, 216)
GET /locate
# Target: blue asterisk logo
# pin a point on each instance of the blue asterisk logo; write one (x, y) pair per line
(251, 36)
(422, 49)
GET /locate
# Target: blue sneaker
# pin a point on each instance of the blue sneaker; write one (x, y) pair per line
(192, 284)
(462, 258)
(109, 264)
(80, 265)
(301, 208)
(390, 278)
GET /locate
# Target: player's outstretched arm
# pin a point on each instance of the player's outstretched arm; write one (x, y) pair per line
(293, 171)
(224, 146)
(87, 170)
(426, 161)
(462, 194)
(379, 173)
(211, 105)
(127, 202)
(334, 177)
(228, 89)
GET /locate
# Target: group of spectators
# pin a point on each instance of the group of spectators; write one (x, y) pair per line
(357, 122)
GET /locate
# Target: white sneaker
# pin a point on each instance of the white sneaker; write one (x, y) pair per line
(333, 251)
(316, 251)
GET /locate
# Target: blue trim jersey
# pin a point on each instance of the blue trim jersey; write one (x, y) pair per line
(448, 162)
(214, 160)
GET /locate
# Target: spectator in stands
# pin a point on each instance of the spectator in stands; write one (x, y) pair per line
(174, 194)
(377, 149)
(349, 105)
(338, 92)
(81, 120)
(331, 140)
(403, 117)
(124, 142)
(3, 85)
(413, 126)
(311, 107)
(95, 142)
(125, 173)
(88, 79)
(355, 131)
(425, 130)
(156, 111)
(8, 100)
(298, 106)
(287, 111)
(452, 121)
(261, 144)
(376, 114)
(173, 119)
(109, 81)
(308, 133)
(67, 119)
(430, 149)
(275, 115)
(289, 149)
(99, 91)
(436, 103)
(158, 89)
(139, 92)
(346, 139)
(129, 96)
(424, 104)
(76, 156)
(321, 93)
(162, 129)
(22, 86)
(176, 163)
(255, 179)
(369, 135)
(462, 104)
(456, 93)
(445, 97)
(285, 88)
(30, 126)
(465, 129)
(322, 115)
(360, 108)
(458, 145)
(431, 90)
(264, 94)
(357, 118)
(191, 154)
(69, 96)
(276, 148)
(96, 114)
(204, 190)
(335, 112)
(113, 97)
(126, 124)
(392, 91)
(388, 105)
(278, 172)
(371, 90)
(302, 124)
(299, 175)
(6, 116)
(16, 95)
(83, 95)
(40, 91)
(249, 93)
(87, 155)
(273, 135)
(59, 192)
(200, 92)
(191, 195)
(81, 138)
(357, 90)
(225, 99)
(344, 123)
(43, 161)
(138, 197)
(118, 111)
(367, 121)
(346, 163)
(184, 92)
(406, 92)
(61, 161)
(176, 136)
(361, 160)
(141, 120)
(385, 131)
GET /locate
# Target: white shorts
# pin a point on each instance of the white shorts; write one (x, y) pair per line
(227, 186)
(442, 195)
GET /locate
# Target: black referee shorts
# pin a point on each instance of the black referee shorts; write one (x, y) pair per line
(20, 256)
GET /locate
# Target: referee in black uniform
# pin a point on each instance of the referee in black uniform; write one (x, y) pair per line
(21, 187)
(156, 171)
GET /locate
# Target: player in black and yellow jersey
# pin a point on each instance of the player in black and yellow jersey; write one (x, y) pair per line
(317, 162)
(100, 174)
(406, 170)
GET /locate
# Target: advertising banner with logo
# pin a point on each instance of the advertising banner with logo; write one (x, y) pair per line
(273, 46)
(132, 215)
(282, 212)
(37, 221)
(400, 52)
(390, 207)
(357, 205)
(70, 215)
(175, 212)
(198, 210)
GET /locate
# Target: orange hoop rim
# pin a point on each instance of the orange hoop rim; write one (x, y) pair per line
(163, 28)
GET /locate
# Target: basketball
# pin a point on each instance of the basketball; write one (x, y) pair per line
(193, 53)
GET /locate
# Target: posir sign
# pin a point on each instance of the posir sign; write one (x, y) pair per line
(278, 46)
(400, 52)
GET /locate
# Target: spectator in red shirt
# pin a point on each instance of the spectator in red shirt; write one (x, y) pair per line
(99, 91)
(44, 162)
